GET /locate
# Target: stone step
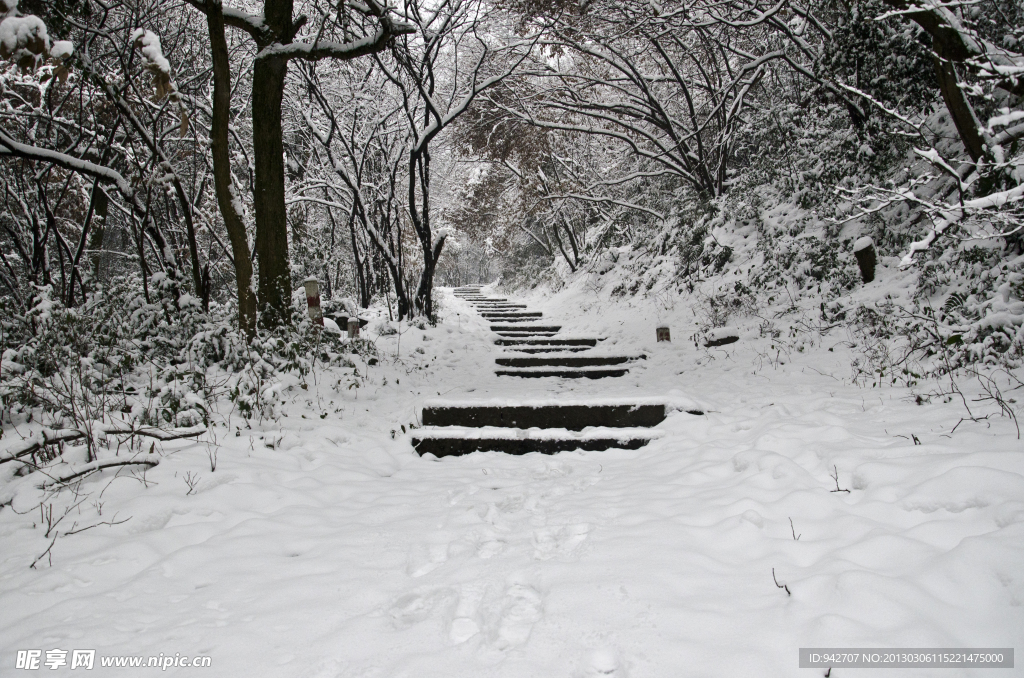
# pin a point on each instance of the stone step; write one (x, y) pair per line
(525, 328)
(566, 361)
(547, 342)
(563, 372)
(515, 330)
(531, 335)
(526, 333)
(500, 307)
(550, 349)
(518, 321)
(571, 416)
(516, 318)
(455, 440)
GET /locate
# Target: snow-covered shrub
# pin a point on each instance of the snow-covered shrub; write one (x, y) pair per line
(80, 362)
(160, 363)
(804, 261)
(970, 306)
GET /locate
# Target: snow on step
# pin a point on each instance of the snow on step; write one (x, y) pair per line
(457, 440)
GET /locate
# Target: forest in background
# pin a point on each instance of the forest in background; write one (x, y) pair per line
(172, 171)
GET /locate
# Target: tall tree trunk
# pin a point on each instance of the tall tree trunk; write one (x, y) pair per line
(958, 106)
(222, 169)
(275, 282)
(424, 299)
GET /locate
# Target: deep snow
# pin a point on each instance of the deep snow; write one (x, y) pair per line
(323, 546)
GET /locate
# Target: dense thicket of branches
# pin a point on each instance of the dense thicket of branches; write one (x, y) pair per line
(221, 153)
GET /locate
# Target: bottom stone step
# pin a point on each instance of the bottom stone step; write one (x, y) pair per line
(456, 440)
(550, 349)
(565, 373)
(546, 414)
(547, 342)
(566, 360)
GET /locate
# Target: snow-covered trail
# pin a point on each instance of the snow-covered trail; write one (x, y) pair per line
(323, 548)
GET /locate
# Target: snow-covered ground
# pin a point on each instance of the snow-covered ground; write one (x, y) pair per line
(322, 546)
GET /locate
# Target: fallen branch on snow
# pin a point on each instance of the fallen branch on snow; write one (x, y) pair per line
(48, 437)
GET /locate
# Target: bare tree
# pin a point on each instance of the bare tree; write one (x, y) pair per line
(276, 34)
(439, 74)
(360, 130)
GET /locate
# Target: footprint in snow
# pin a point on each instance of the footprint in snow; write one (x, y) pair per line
(514, 616)
(490, 548)
(424, 559)
(413, 608)
(602, 664)
(561, 541)
(465, 623)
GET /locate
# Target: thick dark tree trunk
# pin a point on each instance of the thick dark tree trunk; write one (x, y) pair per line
(276, 28)
(222, 169)
(275, 282)
(958, 106)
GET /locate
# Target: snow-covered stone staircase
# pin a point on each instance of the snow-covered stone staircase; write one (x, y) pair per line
(534, 349)
(522, 332)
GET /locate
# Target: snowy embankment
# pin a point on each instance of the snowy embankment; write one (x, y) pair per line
(323, 546)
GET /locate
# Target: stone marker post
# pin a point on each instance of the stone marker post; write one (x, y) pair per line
(313, 300)
(664, 335)
(353, 328)
(864, 250)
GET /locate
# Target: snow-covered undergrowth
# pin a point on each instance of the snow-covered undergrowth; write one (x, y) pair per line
(313, 541)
